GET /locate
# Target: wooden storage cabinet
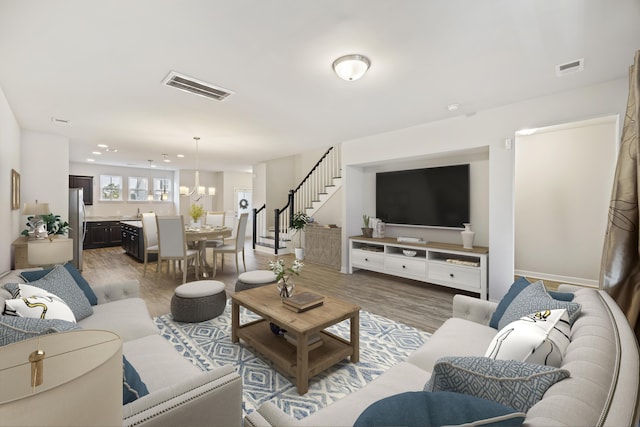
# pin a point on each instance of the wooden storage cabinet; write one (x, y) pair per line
(323, 245)
(84, 182)
(103, 234)
(439, 263)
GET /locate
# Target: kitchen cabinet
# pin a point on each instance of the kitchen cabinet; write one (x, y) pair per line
(133, 240)
(84, 182)
(102, 234)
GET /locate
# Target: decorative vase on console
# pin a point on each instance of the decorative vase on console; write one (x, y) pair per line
(467, 236)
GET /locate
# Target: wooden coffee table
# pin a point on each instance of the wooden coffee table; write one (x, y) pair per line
(300, 361)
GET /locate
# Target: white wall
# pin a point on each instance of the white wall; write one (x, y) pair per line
(9, 159)
(561, 205)
(489, 128)
(45, 170)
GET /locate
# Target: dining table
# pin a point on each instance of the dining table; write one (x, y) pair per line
(198, 236)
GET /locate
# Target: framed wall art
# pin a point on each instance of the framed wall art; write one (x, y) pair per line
(15, 189)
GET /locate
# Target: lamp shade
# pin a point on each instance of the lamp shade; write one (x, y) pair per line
(351, 67)
(36, 209)
(81, 380)
(57, 250)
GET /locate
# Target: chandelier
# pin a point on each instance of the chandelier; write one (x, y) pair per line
(197, 188)
(184, 190)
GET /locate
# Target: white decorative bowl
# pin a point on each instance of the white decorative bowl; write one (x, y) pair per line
(408, 252)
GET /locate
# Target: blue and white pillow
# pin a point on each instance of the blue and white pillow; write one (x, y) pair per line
(33, 275)
(30, 301)
(534, 298)
(518, 385)
(14, 329)
(541, 338)
(60, 282)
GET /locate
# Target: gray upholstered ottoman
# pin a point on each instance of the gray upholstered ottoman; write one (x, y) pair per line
(254, 279)
(198, 301)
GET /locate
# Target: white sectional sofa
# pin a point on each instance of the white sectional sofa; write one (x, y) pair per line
(602, 359)
(180, 393)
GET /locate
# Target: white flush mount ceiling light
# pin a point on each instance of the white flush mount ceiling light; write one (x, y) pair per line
(351, 67)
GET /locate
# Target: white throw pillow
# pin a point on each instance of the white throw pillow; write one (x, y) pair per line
(34, 302)
(540, 338)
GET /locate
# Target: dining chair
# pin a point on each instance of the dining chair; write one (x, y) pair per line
(172, 244)
(214, 219)
(150, 235)
(234, 248)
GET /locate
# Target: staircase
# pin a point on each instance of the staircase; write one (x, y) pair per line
(309, 196)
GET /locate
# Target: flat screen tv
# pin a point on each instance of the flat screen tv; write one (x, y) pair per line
(431, 197)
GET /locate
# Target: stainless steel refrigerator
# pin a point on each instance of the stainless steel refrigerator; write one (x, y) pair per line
(77, 224)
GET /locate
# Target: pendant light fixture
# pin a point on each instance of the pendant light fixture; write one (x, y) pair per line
(197, 188)
(351, 67)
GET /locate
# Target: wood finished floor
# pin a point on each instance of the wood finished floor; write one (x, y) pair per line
(417, 304)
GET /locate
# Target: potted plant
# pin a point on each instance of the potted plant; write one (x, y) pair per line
(298, 222)
(196, 212)
(52, 225)
(367, 231)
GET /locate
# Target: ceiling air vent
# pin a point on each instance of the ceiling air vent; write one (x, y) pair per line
(570, 67)
(189, 84)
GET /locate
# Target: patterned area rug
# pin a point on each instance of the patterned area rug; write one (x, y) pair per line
(383, 344)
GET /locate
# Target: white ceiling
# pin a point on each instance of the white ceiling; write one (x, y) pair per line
(100, 64)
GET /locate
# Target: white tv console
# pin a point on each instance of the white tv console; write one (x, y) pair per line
(443, 264)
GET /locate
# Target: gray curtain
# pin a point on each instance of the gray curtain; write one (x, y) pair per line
(620, 272)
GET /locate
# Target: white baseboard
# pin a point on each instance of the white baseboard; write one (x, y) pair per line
(558, 278)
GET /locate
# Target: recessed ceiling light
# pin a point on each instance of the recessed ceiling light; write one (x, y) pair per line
(90, 160)
(97, 153)
(102, 145)
(453, 107)
(526, 132)
(180, 155)
(111, 150)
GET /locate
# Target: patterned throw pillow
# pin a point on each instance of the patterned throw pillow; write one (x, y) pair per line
(513, 292)
(540, 338)
(60, 282)
(14, 329)
(534, 298)
(518, 385)
(30, 276)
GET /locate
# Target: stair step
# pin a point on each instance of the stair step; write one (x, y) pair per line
(268, 245)
(273, 238)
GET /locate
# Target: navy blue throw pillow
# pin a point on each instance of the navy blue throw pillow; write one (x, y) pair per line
(513, 292)
(132, 385)
(32, 276)
(430, 409)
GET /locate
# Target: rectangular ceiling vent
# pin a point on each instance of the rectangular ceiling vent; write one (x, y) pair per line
(189, 84)
(570, 67)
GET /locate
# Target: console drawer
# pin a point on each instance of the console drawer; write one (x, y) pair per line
(405, 266)
(367, 259)
(459, 275)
